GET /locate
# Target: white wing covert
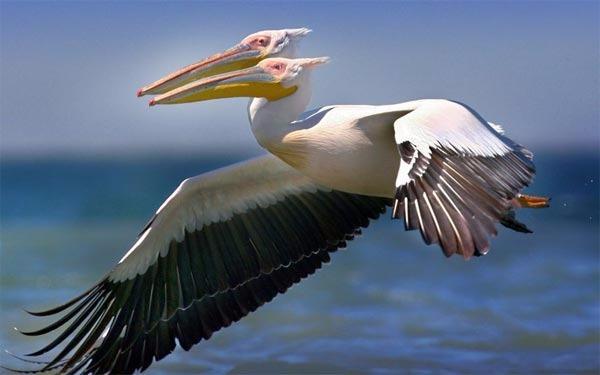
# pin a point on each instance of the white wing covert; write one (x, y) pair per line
(457, 176)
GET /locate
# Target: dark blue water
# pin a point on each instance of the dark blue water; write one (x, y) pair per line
(386, 303)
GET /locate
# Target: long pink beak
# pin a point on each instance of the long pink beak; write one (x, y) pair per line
(238, 57)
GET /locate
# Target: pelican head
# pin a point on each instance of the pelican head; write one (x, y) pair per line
(272, 78)
(252, 49)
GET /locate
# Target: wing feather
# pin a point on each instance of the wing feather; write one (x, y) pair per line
(457, 175)
(222, 245)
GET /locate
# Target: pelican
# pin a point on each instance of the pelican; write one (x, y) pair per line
(226, 242)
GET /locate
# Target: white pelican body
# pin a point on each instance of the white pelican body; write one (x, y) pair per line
(346, 147)
(228, 241)
(352, 148)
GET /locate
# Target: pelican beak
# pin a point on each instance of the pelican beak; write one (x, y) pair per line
(249, 82)
(238, 57)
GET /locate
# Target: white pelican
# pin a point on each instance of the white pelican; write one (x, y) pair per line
(226, 242)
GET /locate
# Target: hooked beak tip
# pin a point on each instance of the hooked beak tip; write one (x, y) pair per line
(139, 93)
(151, 103)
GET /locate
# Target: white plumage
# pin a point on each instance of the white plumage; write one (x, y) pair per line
(211, 198)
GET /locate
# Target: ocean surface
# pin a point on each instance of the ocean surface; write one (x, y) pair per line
(386, 303)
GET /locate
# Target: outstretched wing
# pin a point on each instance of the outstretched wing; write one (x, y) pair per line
(457, 176)
(222, 244)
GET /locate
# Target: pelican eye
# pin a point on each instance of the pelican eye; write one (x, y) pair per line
(261, 41)
(275, 68)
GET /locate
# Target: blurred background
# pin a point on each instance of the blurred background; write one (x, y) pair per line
(84, 164)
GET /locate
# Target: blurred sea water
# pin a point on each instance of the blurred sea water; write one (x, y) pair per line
(384, 304)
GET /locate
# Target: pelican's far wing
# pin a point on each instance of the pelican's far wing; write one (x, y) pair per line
(223, 244)
(457, 176)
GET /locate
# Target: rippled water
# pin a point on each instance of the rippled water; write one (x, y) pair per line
(385, 303)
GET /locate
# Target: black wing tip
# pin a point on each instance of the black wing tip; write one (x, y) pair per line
(28, 333)
(33, 371)
(26, 360)
(43, 313)
(57, 309)
(33, 313)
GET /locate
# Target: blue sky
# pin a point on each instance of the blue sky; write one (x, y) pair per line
(70, 70)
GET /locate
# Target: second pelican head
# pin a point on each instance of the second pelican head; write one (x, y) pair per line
(272, 78)
(251, 50)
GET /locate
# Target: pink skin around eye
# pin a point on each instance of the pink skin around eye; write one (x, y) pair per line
(275, 68)
(259, 42)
